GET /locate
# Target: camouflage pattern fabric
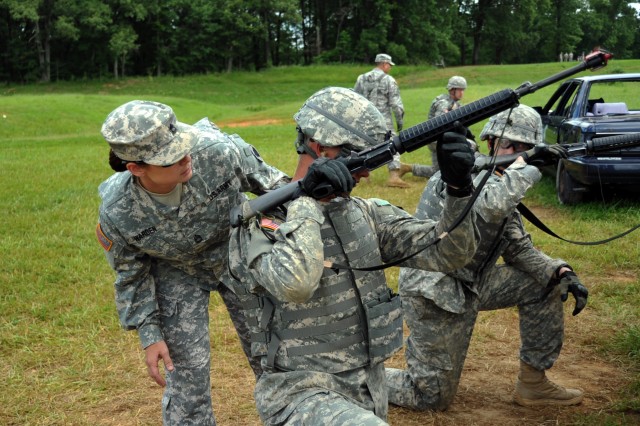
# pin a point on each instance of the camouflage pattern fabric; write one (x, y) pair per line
(383, 91)
(167, 260)
(440, 105)
(290, 268)
(441, 309)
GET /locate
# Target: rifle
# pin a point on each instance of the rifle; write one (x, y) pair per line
(608, 143)
(421, 134)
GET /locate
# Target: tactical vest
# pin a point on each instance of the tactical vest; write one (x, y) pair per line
(352, 320)
(490, 246)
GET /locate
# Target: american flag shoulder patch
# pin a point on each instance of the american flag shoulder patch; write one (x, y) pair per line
(269, 223)
(104, 241)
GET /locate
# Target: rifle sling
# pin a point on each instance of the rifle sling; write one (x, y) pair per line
(538, 224)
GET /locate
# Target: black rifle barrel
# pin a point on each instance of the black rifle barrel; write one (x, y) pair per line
(421, 134)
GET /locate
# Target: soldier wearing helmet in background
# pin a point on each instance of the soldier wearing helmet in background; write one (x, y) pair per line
(440, 105)
(321, 330)
(441, 309)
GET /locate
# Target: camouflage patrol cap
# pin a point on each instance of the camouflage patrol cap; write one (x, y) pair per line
(148, 131)
(383, 57)
(521, 124)
(457, 82)
(336, 116)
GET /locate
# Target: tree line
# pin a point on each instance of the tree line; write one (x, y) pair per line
(50, 40)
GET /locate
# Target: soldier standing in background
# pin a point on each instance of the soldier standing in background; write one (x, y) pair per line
(322, 331)
(441, 309)
(382, 90)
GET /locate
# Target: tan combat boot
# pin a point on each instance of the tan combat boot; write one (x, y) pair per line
(533, 388)
(395, 181)
(405, 168)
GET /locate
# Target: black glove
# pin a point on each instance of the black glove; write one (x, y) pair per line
(569, 282)
(326, 177)
(455, 159)
(399, 124)
(544, 155)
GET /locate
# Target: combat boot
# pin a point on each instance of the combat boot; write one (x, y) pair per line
(395, 181)
(533, 388)
(405, 168)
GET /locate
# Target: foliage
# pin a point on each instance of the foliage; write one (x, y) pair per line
(51, 40)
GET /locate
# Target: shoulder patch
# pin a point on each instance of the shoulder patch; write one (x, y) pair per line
(270, 223)
(105, 242)
(380, 202)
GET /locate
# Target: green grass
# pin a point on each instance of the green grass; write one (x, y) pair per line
(63, 352)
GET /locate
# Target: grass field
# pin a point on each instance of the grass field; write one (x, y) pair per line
(65, 358)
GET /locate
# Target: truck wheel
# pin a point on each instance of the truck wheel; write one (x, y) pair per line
(566, 187)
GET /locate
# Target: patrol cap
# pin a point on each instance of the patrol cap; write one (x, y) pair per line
(383, 57)
(457, 82)
(149, 132)
(521, 124)
(336, 116)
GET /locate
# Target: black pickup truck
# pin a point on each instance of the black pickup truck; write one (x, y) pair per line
(584, 108)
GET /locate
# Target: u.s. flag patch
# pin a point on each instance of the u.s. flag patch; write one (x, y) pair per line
(105, 242)
(269, 223)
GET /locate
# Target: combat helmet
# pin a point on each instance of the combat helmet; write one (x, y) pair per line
(336, 116)
(457, 82)
(520, 124)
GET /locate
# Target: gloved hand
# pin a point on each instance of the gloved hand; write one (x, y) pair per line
(400, 124)
(569, 282)
(326, 177)
(455, 159)
(544, 155)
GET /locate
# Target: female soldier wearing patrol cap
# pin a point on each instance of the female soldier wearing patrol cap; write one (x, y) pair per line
(164, 226)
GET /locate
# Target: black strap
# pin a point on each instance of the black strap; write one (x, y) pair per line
(538, 223)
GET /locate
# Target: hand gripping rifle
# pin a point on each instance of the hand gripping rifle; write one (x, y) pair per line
(421, 134)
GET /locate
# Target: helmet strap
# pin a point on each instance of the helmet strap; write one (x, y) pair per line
(302, 147)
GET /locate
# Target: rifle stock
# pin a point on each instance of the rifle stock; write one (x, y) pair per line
(422, 134)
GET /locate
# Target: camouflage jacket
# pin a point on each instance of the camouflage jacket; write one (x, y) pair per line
(503, 234)
(382, 90)
(441, 105)
(145, 241)
(289, 266)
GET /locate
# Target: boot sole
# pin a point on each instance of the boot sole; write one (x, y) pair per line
(535, 402)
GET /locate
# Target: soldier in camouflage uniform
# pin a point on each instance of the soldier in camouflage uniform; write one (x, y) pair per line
(164, 226)
(382, 89)
(441, 309)
(321, 330)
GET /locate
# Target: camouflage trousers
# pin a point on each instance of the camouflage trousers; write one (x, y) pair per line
(438, 342)
(330, 408)
(184, 321)
(434, 158)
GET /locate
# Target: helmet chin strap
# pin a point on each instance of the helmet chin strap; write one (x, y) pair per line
(302, 147)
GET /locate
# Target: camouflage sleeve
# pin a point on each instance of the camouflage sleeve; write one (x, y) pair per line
(400, 234)
(439, 107)
(134, 286)
(521, 253)
(395, 101)
(359, 88)
(256, 175)
(501, 195)
(290, 266)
